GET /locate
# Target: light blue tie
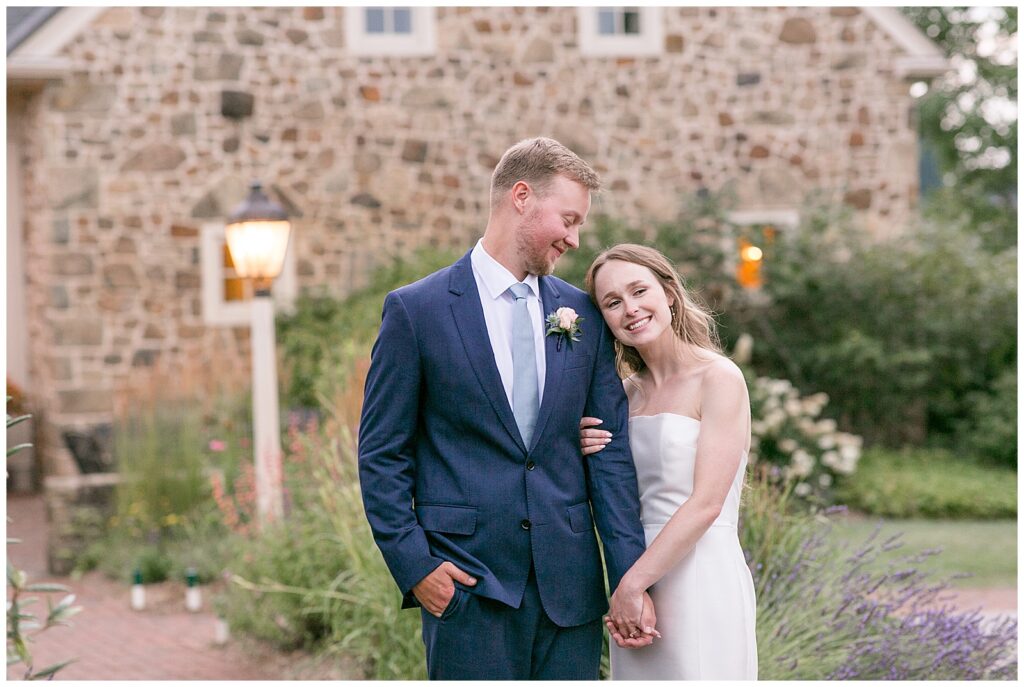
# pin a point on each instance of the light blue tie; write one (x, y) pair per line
(525, 394)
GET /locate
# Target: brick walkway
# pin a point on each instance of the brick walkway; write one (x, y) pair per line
(164, 642)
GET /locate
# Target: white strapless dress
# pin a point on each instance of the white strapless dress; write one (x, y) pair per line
(705, 605)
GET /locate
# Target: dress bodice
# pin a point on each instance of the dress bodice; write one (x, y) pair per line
(664, 448)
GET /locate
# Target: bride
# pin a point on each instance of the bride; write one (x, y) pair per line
(689, 432)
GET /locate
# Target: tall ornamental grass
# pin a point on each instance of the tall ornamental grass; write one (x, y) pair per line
(318, 580)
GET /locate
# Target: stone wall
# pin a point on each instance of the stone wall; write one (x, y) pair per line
(171, 111)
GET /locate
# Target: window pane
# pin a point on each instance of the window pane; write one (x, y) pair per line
(632, 21)
(234, 289)
(403, 20)
(374, 20)
(606, 21)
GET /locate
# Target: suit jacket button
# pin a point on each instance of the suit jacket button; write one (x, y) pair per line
(530, 465)
(525, 524)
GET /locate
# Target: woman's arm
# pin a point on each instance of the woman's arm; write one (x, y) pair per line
(724, 436)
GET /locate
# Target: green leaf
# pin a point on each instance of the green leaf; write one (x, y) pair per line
(15, 577)
(14, 449)
(47, 587)
(63, 610)
(22, 650)
(49, 671)
(17, 420)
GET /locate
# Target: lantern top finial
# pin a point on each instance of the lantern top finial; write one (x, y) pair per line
(257, 207)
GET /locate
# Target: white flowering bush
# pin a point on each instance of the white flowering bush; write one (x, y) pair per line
(794, 444)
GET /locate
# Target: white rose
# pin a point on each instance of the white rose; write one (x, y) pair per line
(793, 407)
(827, 441)
(788, 445)
(802, 489)
(825, 480)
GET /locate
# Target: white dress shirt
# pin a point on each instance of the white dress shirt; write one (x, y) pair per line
(493, 281)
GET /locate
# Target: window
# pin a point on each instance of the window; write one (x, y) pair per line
(618, 20)
(388, 20)
(225, 295)
(620, 31)
(755, 233)
(400, 31)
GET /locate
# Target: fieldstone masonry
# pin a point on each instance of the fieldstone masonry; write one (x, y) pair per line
(171, 111)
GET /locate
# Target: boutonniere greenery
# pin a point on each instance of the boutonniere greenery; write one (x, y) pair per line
(564, 322)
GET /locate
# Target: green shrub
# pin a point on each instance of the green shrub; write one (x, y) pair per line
(898, 333)
(929, 483)
(990, 430)
(312, 338)
(297, 553)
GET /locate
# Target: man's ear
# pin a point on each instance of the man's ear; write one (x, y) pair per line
(521, 193)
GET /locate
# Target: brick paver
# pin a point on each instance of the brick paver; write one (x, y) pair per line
(112, 642)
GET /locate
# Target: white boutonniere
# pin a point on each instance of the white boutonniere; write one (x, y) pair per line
(565, 323)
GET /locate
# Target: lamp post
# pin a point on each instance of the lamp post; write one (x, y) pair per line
(257, 235)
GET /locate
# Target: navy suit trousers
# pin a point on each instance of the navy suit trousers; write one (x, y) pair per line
(477, 638)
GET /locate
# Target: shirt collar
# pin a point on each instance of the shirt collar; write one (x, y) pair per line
(495, 276)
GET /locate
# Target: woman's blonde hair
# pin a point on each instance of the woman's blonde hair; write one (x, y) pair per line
(692, 321)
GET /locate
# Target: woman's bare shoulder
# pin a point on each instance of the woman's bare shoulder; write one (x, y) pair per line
(723, 378)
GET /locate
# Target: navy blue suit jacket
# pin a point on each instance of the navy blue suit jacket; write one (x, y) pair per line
(445, 475)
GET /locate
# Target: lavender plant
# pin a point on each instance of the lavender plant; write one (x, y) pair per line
(825, 611)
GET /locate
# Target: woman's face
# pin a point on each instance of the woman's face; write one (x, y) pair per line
(633, 302)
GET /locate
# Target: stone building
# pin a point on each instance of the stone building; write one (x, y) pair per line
(132, 132)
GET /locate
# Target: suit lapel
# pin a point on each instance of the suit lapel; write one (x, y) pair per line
(554, 358)
(472, 328)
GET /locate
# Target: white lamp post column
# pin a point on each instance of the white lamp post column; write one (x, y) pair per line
(257, 234)
(265, 419)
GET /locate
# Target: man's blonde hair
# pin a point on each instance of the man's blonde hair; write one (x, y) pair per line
(537, 161)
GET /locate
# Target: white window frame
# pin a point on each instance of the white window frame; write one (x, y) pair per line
(421, 41)
(220, 312)
(650, 41)
(780, 217)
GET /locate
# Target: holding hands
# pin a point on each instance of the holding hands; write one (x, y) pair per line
(631, 620)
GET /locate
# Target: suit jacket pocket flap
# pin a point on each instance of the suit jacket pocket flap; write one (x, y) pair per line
(580, 519)
(450, 519)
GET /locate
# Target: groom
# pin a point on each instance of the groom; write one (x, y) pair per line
(469, 457)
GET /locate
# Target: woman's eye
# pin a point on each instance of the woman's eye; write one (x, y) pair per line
(612, 304)
(640, 292)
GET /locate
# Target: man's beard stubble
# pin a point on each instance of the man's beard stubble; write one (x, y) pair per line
(534, 260)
